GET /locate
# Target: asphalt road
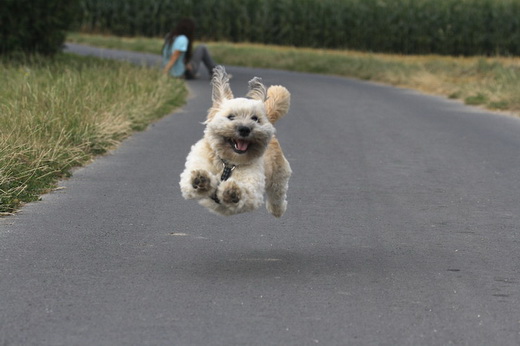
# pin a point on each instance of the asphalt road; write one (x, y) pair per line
(403, 228)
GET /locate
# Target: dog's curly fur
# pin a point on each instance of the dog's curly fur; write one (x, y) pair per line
(239, 134)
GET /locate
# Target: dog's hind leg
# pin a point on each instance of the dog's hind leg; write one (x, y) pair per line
(278, 172)
(276, 196)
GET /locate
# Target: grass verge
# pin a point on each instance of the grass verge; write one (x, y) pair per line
(488, 82)
(57, 114)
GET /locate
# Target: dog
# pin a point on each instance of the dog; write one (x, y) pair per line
(239, 159)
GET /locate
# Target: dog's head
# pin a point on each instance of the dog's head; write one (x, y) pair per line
(240, 129)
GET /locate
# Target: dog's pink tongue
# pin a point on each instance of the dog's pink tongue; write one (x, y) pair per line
(241, 145)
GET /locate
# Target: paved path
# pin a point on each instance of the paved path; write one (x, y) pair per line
(403, 228)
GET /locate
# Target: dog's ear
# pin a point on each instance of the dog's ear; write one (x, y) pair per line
(221, 89)
(257, 90)
(277, 103)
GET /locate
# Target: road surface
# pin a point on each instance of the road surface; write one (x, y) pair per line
(403, 228)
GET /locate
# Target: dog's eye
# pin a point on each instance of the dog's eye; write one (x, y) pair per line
(255, 118)
(231, 117)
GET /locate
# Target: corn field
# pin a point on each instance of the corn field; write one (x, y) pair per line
(448, 27)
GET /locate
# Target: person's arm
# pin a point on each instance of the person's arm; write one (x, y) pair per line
(172, 61)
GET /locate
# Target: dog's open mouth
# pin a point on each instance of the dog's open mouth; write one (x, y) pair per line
(240, 146)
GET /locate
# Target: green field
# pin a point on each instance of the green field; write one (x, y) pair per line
(447, 27)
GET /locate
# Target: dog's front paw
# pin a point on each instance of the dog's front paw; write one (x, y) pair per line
(231, 194)
(197, 184)
(200, 181)
(234, 198)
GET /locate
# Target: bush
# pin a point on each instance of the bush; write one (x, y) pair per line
(451, 27)
(35, 26)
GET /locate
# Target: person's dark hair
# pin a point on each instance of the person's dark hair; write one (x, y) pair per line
(185, 27)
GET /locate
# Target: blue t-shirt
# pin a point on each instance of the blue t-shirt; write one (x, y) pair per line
(181, 44)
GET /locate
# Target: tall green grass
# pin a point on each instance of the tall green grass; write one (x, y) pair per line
(448, 27)
(57, 114)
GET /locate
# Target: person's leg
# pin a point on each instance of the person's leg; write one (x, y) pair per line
(201, 54)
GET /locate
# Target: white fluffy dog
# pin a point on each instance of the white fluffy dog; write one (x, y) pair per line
(239, 159)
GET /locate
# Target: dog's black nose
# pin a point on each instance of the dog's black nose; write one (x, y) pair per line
(243, 131)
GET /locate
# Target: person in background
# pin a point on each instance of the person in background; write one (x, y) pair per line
(179, 58)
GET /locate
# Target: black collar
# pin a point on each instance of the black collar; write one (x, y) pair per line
(226, 173)
(228, 170)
